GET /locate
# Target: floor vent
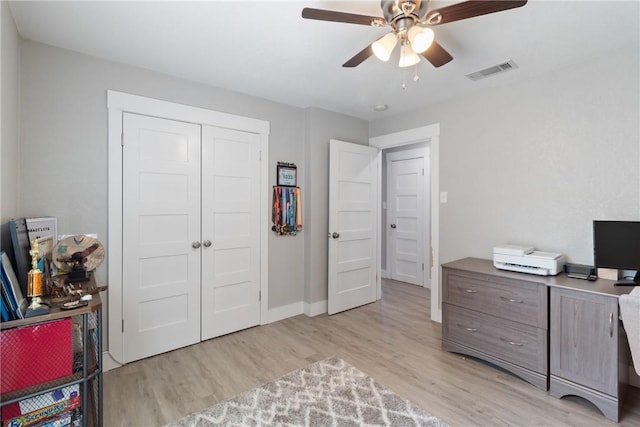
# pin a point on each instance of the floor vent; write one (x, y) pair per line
(493, 70)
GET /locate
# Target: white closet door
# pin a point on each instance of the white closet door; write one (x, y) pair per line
(231, 224)
(161, 220)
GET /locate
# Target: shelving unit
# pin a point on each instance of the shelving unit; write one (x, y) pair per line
(86, 370)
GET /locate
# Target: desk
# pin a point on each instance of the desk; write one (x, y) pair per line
(581, 351)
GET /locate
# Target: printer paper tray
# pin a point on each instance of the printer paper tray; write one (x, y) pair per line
(522, 268)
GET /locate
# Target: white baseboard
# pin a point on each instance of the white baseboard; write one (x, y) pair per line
(108, 363)
(285, 311)
(315, 308)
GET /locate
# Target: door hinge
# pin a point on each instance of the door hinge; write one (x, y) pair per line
(260, 155)
(422, 171)
(259, 295)
(423, 266)
(122, 139)
(122, 325)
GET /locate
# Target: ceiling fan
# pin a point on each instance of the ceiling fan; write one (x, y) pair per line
(410, 21)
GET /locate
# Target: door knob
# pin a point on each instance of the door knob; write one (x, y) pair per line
(195, 245)
(335, 235)
(206, 243)
(393, 226)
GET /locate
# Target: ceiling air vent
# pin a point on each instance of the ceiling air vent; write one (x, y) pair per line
(493, 70)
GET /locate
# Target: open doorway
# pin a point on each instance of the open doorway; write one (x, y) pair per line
(428, 135)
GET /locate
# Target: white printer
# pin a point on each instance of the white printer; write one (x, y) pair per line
(525, 259)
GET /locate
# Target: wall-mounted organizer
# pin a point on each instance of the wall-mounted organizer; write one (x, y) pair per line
(286, 213)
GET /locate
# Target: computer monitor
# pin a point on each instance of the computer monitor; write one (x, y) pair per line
(616, 244)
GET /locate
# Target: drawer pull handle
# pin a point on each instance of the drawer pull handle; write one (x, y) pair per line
(471, 291)
(467, 328)
(610, 324)
(518, 344)
(511, 300)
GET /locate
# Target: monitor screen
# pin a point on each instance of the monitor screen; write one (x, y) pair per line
(616, 244)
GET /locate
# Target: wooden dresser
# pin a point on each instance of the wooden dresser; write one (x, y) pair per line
(560, 334)
(498, 319)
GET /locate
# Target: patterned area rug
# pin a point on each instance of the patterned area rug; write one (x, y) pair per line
(327, 393)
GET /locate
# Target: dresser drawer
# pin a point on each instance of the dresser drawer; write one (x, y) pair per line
(513, 342)
(515, 300)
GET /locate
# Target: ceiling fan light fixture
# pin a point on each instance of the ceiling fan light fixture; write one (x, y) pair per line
(407, 56)
(420, 38)
(383, 47)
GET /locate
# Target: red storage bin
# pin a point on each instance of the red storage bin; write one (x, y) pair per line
(35, 354)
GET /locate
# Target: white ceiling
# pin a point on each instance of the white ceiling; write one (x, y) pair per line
(265, 48)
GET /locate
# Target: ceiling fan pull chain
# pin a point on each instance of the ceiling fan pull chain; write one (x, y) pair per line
(404, 79)
(416, 77)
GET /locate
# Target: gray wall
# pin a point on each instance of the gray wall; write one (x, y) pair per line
(322, 126)
(64, 127)
(535, 162)
(9, 130)
(64, 134)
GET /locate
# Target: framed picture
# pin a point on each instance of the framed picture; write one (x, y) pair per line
(287, 175)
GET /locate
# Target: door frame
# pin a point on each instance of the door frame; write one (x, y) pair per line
(412, 153)
(431, 135)
(120, 102)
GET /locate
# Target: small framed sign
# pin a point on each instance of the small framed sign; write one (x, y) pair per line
(287, 175)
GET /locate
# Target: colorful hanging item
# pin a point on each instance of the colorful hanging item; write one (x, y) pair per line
(286, 213)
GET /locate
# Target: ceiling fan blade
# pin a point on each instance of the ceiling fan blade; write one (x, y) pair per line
(349, 18)
(469, 9)
(437, 55)
(359, 57)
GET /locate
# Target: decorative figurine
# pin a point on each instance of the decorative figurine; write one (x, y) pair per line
(77, 256)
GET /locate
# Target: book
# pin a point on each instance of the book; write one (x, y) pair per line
(21, 246)
(63, 419)
(44, 415)
(6, 301)
(17, 302)
(38, 408)
(4, 310)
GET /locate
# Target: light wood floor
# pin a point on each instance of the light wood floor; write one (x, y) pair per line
(392, 340)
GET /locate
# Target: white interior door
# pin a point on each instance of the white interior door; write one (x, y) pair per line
(405, 219)
(230, 231)
(353, 215)
(161, 220)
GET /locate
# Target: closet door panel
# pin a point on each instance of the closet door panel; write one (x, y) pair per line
(161, 220)
(231, 223)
